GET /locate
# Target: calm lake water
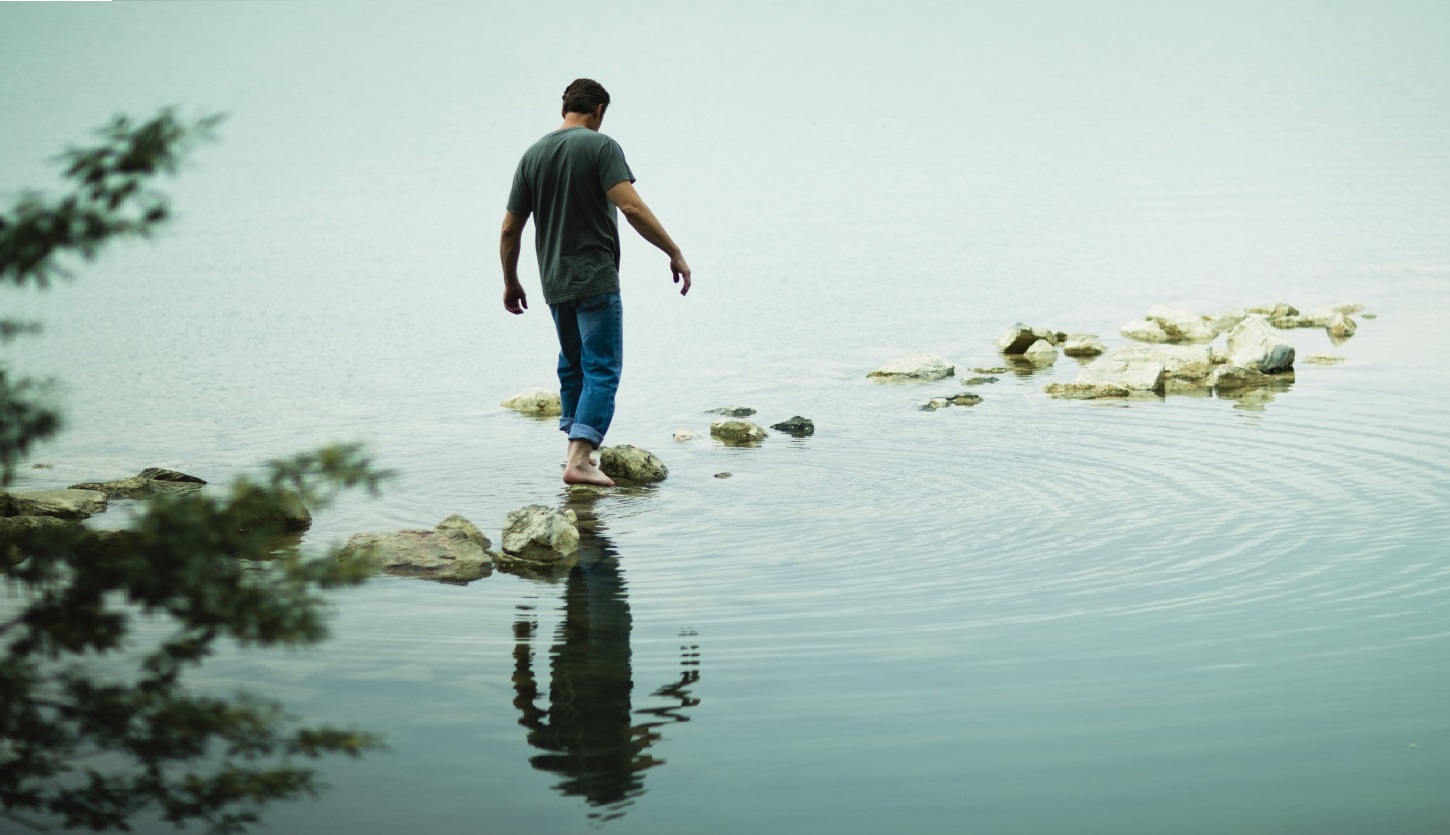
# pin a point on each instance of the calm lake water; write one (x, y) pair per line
(1187, 615)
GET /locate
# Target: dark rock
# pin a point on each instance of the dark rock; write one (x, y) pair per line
(797, 426)
(732, 411)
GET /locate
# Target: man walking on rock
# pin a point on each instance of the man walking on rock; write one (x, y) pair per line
(571, 181)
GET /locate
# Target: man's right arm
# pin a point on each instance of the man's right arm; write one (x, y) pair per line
(623, 195)
(509, 243)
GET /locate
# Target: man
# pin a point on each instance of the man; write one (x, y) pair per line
(571, 181)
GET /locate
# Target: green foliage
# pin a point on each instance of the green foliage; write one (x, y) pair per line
(97, 724)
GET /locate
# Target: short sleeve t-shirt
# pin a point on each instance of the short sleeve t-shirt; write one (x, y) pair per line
(561, 181)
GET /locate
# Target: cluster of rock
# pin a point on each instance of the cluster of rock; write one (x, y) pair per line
(1178, 358)
(81, 501)
(536, 539)
(1169, 325)
(734, 430)
(1040, 346)
(84, 500)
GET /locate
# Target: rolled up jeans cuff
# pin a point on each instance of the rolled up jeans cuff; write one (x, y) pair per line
(580, 432)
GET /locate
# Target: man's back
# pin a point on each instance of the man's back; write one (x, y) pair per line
(561, 181)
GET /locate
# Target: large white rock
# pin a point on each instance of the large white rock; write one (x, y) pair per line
(535, 401)
(1254, 344)
(915, 367)
(1183, 362)
(1133, 375)
(541, 534)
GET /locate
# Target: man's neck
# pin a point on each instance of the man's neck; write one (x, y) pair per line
(581, 120)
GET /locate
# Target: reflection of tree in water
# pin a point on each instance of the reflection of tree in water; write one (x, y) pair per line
(588, 732)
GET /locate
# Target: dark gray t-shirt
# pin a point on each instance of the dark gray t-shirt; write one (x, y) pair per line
(561, 181)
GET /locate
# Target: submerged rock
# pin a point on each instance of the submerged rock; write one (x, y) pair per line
(797, 426)
(934, 404)
(685, 435)
(1322, 359)
(1254, 344)
(453, 552)
(978, 381)
(732, 411)
(152, 481)
(540, 534)
(633, 463)
(915, 367)
(996, 369)
(535, 401)
(62, 504)
(964, 399)
(737, 431)
(1086, 391)
(1230, 377)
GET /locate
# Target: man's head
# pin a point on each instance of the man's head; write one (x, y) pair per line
(586, 96)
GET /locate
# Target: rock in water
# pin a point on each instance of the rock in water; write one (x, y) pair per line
(1019, 338)
(797, 426)
(732, 411)
(1041, 352)
(540, 534)
(535, 401)
(1133, 375)
(915, 367)
(453, 552)
(152, 481)
(1230, 377)
(1253, 344)
(1085, 391)
(1145, 330)
(685, 435)
(1341, 326)
(62, 504)
(737, 431)
(1083, 345)
(289, 514)
(633, 463)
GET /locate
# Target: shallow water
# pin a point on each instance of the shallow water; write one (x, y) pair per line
(1186, 615)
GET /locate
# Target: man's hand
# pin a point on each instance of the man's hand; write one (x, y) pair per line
(516, 302)
(681, 272)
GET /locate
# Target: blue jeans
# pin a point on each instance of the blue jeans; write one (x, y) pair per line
(591, 357)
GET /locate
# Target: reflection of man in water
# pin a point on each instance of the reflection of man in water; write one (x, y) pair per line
(588, 730)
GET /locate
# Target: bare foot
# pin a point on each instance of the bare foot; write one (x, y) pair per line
(587, 473)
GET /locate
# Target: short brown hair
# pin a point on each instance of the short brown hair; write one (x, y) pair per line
(583, 95)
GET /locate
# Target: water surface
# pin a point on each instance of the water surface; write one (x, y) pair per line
(1182, 615)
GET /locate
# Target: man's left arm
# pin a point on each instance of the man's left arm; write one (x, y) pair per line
(510, 242)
